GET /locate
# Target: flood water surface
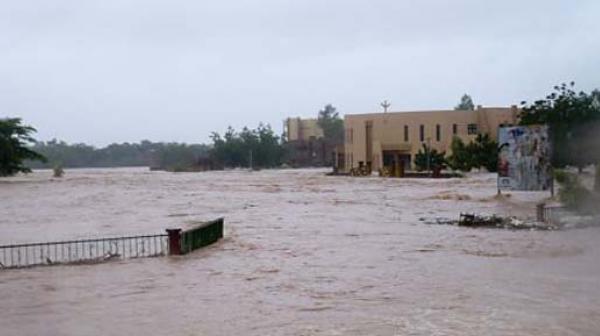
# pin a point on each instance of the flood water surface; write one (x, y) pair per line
(303, 254)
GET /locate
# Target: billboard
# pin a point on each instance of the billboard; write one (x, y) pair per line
(524, 158)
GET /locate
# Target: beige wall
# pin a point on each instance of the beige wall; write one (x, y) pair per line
(388, 131)
(302, 129)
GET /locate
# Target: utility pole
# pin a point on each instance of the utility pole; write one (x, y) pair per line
(250, 160)
(385, 104)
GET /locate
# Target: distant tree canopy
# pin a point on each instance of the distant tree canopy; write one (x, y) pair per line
(482, 152)
(230, 150)
(259, 147)
(178, 156)
(146, 153)
(466, 103)
(574, 123)
(332, 124)
(14, 140)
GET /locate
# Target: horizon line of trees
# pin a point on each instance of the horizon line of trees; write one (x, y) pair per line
(144, 153)
(258, 148)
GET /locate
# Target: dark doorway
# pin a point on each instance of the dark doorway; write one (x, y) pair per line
(396, 162)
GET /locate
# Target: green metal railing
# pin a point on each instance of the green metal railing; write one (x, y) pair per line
(202, 235)
(175, 242)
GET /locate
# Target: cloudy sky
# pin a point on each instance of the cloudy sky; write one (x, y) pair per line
(125, 70)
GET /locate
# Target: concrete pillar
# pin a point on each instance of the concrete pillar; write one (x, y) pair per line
(174, 241)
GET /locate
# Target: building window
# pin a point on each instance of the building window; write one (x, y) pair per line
(454, 129)
(438, 133)
(405, 133)
(422, 133)
(472, 129)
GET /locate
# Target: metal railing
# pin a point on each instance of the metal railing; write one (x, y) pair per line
(202, 235)
(83, 251)
(552, 214)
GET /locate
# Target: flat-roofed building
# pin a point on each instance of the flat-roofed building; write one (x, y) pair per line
(302, 129)
(305, 143)
(375, 140)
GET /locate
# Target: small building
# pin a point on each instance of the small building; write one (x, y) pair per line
(375, 140)
(302, 129)
(305, 144)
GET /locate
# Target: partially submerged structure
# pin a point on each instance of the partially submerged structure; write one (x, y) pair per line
(390, 140)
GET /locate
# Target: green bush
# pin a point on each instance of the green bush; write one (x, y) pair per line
(58, 171)
(483, 152)
(461, 158)
(574, 195)
(436, 160)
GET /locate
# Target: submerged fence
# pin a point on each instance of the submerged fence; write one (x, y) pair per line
(206, 233)
(550, 214)
(175, 242)
(82, 251)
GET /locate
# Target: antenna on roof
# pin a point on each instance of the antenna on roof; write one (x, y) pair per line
(385, 104)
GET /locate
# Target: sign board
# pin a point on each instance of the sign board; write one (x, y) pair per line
(524, 158)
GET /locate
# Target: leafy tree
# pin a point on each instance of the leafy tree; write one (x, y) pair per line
(466, 103)
(332, 124)
(483, 152)
(574, 122)
(234, 149)
(14, 140)
(436, 159)
(574, 195)
(461, 158)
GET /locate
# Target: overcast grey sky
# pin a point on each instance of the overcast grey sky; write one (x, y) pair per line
(126, 70)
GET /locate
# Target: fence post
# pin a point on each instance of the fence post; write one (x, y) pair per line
(174, 241)
(540, 212)
(220, 228)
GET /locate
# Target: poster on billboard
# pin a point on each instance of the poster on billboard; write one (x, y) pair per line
(524, 158)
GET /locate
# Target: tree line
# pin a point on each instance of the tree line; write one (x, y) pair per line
(145, 153)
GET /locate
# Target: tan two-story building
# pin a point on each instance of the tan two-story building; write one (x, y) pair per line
(375, 140)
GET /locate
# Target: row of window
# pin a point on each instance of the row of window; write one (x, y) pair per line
(471, 130)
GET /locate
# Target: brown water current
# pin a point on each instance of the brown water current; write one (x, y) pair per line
(303, 254)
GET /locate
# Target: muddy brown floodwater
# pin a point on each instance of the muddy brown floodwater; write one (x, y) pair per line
(304, 254)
